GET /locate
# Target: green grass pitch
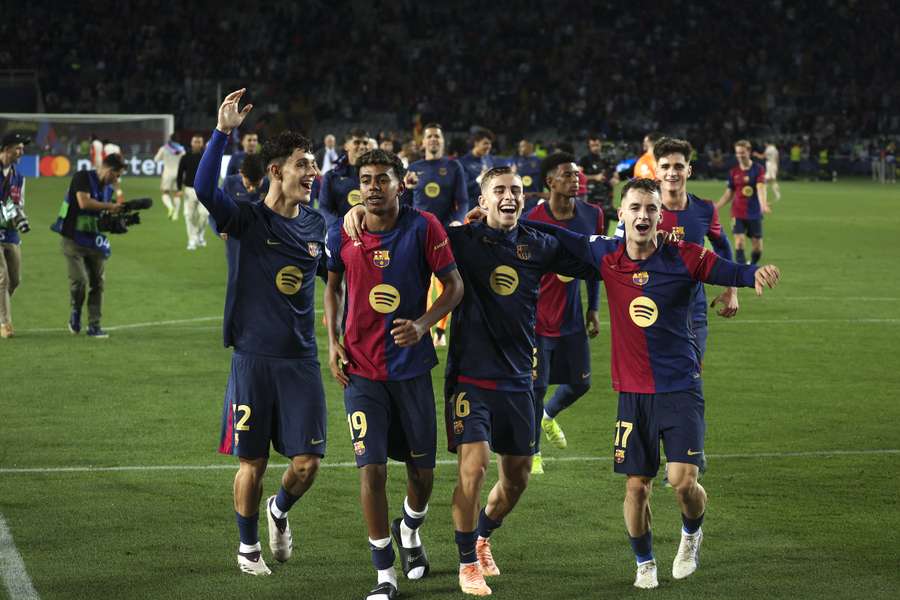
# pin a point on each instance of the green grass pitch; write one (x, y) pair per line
(803, 440)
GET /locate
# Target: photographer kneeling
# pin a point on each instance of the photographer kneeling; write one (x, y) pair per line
(86, 249)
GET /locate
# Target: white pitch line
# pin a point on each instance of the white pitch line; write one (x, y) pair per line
(346, 465)
(12, 567)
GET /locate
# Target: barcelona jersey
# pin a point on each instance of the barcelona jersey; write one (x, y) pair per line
(441, 189)
(745, 204)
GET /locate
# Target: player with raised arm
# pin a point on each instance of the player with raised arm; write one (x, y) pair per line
(564, 356)
(274, 392)
(385, 359)
(656, 364)
(170, 154)
(747, 189)
(438, 186)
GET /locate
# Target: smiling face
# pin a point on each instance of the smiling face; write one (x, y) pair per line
(673, 171)
(641, 213)
(502, 196)
(380, 189)
(296, 175)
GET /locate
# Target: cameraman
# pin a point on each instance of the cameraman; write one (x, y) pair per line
(12, 222)
(85, 248)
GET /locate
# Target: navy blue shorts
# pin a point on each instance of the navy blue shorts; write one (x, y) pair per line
(563, 359)
(393, 419)
(277, 400)
(503, 419)
(643, 419)
(751, 227)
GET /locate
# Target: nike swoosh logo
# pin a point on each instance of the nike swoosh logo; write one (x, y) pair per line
(416, 455)
(316, 442)
(272, 242)
(531, 444)
(585, 375)
(692, 453)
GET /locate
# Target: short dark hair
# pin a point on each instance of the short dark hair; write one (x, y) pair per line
(595, 136)
(649, 186)
(253, 168)
(246, 133)
(491, 174)
(356, 132)
(280, 147)
(549, 164)
(433, 126)
(667, 145)
(114, 162)
(482, 133)
(653, 135)
(382, 158)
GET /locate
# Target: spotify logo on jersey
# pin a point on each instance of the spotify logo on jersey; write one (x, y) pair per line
(384, 298)
(504, 280)
(643, 311)
(354, 197)
(432, 190)
(288, 280)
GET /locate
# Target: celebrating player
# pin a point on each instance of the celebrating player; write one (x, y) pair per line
(656, 364)
(563, 356)
(340, 185)
(747, 188)
(385, 360)
(274, 392)
(439, 187)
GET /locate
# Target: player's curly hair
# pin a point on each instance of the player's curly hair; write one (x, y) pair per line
(253, 168)
(648, 186)
(382, 158)
(280, 147)
(667, 145)
(549, 164)
(490, 174)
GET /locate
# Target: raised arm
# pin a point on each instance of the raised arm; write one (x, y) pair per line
(709, 268)
(587, 249)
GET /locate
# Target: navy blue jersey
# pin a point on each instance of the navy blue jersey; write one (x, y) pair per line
(697, 221)
(339, 191)
(492, 339)
(270, 304)
(473, 166)
(529, 169)
(441, 189)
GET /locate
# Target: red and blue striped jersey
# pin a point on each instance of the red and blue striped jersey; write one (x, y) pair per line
(745, 204)
(492, 339)
(387, 277)
(559, 310)
(441, 189)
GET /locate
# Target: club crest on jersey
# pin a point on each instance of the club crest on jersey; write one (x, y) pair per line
(620, 455)
(381, 258)
(288, 280)
(314, 248)
(504, 280)
(640, 278)
(359, 448)
(442, 171)
(458, 427)
(678, 232)
(643, 311)
(523, 252)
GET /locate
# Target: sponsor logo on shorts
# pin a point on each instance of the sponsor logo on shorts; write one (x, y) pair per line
(384, 298)
(585, 375)
(640, 278)
(620, 455)
(316, 442)
(288, 280)
(458, 427)
(272, 242)
(418, 454)
(432, 190)
(523, 252)
(354, 197)
(359, 447)
(381, 258)
(531, 444)
(694, 452)
(643, 311)
(504, 280)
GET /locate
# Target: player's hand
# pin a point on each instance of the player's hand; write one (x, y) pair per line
(114, 207)
(337, 362)
(355, 223)
(476, 214)
(593, 323)
(766, 208)
(229, 114)
(766, 276)
(411, 180)
(729, 301)
(407, 332)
